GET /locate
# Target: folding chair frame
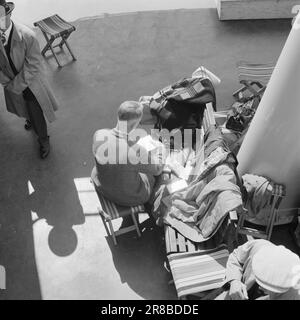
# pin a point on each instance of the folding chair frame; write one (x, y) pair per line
(276, 198)
(107, 221)
(62, 30)
(49, 46)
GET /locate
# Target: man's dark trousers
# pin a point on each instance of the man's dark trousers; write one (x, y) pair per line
(36, 116)
(37, 119)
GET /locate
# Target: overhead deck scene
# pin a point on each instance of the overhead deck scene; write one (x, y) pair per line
(53, 236)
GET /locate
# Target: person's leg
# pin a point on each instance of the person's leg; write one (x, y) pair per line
(38, 122)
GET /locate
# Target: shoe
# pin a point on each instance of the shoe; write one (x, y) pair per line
(27, 125)
(44, 149)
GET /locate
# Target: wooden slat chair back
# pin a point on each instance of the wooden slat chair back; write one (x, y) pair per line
(254, 77)
(55, 27)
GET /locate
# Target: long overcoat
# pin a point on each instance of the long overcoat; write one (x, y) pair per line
(26, 56)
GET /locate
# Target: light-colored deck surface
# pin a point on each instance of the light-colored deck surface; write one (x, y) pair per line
(52, 244)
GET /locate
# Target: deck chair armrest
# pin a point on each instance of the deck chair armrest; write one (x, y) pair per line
(104, 214)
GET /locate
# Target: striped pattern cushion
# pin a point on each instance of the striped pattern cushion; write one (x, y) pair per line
(255, 72)
(198, 271)
(184, 89)
(116, 211)
(55, 26)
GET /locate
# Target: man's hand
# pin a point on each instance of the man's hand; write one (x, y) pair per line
(238, 290)
(4, 80)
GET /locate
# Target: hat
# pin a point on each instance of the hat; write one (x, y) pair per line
(8, 6)
(273, 268)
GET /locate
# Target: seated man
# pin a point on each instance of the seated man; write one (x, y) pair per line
(119, 174)
(261, 270)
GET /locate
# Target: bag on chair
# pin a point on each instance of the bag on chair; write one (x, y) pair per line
(241, 114)
(181, 105)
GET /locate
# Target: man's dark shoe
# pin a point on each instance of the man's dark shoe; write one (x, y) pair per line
(44, 149)
(27, 125)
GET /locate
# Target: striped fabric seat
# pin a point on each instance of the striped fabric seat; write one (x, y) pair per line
(255, 72)
(55, 26)
(198, 271)
(115, 211)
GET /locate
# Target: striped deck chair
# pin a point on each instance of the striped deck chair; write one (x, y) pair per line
(174, 241)
(254, 77)
(55, 27)
(199, 272)
(110, 211)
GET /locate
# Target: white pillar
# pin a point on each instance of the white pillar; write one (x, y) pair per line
(272, 144)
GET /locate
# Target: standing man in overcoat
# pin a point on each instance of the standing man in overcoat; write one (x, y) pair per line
(27, 93)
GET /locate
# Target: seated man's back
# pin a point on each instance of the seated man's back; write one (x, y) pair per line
(115, 176)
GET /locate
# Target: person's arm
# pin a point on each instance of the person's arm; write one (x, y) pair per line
(236, 260)
(234, 271)
(147, 162)
(138, 159)
(30, 68)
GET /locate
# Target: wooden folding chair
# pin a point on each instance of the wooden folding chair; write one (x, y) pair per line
(278, 193)
(110, 211)
(254, 77)
(55, 27)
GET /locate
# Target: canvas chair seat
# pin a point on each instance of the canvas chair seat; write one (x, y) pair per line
(200, 271)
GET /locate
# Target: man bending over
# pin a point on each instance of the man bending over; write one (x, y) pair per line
(259, 269)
